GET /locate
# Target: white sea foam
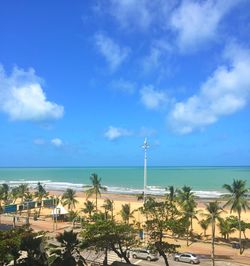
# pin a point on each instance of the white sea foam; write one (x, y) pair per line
(62, 186)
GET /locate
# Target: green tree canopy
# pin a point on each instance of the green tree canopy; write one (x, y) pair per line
(69, 198)
(68, 254)
(237, 201)
(95, 188)
(106, 235)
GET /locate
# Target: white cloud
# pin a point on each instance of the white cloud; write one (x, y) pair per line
(113, 133)
(113, 53)
(157, 56)
(197, 22)
(57, 142)
(22, 97)
(123, 86)
(152, 98)
(131, 12)
(134, 14)
(225, 92)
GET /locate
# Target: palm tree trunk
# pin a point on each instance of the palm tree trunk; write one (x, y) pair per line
(96, 201)
(244, 233)
(39, 211)
(112, 214)
(212, 240)
(239, 221)
(187, 234)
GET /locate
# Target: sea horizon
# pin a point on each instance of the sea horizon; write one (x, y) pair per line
(206, 181)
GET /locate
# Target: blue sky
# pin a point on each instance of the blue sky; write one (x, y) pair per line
(82, 83)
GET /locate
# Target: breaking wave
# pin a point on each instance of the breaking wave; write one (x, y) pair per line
(62, 186)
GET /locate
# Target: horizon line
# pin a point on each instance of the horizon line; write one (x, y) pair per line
(122, 166)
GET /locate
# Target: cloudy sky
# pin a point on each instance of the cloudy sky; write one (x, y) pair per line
(83, 82)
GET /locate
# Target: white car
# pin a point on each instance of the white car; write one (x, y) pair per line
(187, 257)
(142, 253)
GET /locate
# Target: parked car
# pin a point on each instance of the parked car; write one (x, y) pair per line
(187, 257)
(235, 245)
(143, 253)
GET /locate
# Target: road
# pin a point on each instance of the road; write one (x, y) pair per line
(113, 257)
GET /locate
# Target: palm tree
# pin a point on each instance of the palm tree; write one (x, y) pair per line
(186, 199)
(69, 198)
(171, 196)
(204, 223)
(126, 213)
(109, 207)
(22, 190)
(33, 244)
(95, 188)
(226, 227)
(140, 196)
(40, 194)
(214, 211)
(88, 208)
(1, 198)
(4, 192)
(237, 200)
(14, 194)
(28, 197)
(69, 251)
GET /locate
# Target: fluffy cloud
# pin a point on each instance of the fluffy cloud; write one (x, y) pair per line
(131, 11)
(157, 56)
(57, 142)
(113, 53)
(197, 21)
(152, 98)
(194, 22)
(225, 92)
(134, 14)
(22, 97)
(113, 133)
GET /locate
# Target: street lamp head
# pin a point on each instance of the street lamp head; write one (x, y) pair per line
(145, 144)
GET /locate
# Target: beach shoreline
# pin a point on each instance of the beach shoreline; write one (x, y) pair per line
(121, 199)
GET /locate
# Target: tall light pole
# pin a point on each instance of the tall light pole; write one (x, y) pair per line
(145, 147)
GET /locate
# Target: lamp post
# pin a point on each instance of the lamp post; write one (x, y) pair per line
(145, 147)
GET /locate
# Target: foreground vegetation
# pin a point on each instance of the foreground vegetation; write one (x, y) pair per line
(103, 230)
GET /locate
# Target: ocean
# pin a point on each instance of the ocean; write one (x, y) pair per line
(206, 182)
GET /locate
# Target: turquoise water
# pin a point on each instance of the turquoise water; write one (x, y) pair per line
(204, 180)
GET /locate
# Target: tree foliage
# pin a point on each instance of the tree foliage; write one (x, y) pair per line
(238, 201)
(68, 254)
(106, 235)
(158, 223)
(95, 188)
(69, 198)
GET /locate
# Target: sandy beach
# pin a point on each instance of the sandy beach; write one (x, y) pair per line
(120, 199)
(223, 251)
